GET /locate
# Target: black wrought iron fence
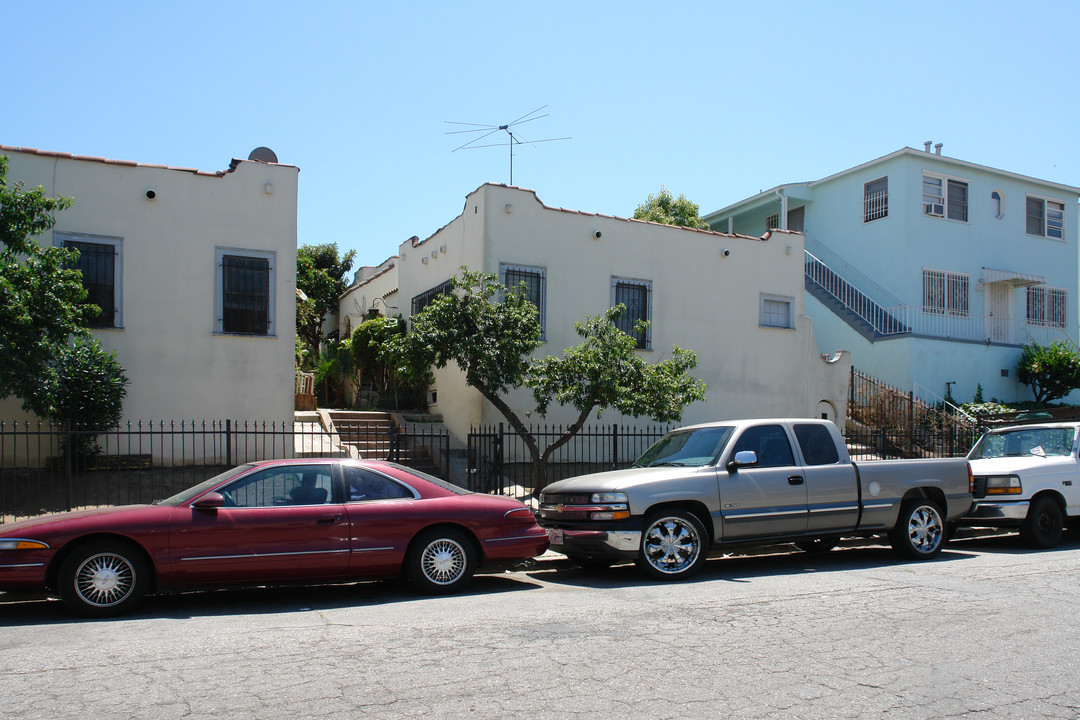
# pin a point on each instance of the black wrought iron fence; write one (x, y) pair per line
(49, 468)
(499, 460)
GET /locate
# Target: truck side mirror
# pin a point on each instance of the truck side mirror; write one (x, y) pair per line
(742, 458)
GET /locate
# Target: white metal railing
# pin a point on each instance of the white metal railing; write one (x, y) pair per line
(969, 327)
(854, 299)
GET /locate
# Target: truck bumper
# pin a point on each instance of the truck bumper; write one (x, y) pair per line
(595, 543)
(995, 514)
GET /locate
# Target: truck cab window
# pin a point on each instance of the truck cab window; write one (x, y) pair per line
(769, 443)
(817, 445)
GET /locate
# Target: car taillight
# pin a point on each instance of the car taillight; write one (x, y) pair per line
(523, 514)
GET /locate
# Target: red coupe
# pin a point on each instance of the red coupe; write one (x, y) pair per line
(278, 521)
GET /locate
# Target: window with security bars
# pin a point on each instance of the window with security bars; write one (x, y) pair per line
(422, 300)
(534, 281)
(772, 222)
(97, 263)
(636, 295)
(946, 198)
(945, 293)
(1046, 306)
(1045, 218)
(876, 199)
(245, 286)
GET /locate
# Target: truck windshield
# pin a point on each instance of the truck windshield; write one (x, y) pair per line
(1042, 442)
(687, 448)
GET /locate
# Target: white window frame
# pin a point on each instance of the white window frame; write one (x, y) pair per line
(937, 204)
(875, 204)
(541, 302)
(60, 239)
(647, 284)
(776, 311)
(219, 289)
(1047, 306)
(997, 204)
(772, 222)
(1053, 231)
(946, 293)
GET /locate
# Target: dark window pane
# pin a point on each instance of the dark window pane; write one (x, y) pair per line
(246, 295)
(636, 299)
(1034, 216)
(97, 263)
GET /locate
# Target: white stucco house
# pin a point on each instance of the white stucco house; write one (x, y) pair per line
(373, 291)
(932, 271)
(195, 273)
(735, 300)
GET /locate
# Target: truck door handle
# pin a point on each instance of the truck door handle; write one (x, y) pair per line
(795, 480)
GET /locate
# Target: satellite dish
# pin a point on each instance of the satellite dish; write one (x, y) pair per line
(263, 154)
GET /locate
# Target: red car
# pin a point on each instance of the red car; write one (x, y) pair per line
(278, 521)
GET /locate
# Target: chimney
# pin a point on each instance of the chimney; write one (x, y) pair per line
(937, 149)
(926, 145)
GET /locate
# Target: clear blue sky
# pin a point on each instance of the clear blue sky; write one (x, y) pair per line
(715, 100)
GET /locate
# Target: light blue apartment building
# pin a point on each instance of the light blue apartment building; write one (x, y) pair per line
(932, 271)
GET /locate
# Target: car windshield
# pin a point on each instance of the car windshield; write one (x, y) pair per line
(1038, 441)
(687, 448)
(202, 487)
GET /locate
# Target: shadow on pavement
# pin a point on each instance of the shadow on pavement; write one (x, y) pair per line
(36, 609)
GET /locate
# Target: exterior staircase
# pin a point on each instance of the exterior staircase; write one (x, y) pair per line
(375, 436)
(864, 314)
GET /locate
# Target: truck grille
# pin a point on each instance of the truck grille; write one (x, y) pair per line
(561, 506)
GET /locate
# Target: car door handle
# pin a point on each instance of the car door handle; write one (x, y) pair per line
(795, 480)
(329, 519)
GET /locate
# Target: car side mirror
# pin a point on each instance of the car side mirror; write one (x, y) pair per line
(742, 458)
(209, 501)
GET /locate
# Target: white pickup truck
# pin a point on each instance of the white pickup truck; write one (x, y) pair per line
(706, 488)
(1027, 477)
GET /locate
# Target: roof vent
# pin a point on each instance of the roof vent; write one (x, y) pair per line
(926, 145)
(263, 154)
(937, 148)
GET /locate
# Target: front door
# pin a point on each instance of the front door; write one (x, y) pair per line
(279, 524)
(999, 312)
(768, 498)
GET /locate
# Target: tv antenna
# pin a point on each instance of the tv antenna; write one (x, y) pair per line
(515, 137)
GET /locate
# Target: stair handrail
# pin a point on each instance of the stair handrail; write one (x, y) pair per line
(869, 310)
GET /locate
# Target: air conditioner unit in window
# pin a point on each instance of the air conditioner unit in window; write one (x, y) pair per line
(933, 209)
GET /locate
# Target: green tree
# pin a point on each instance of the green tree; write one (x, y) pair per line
(50, 361)
(320, 276)
(491, 332)
(1052, 371)
(670, 210)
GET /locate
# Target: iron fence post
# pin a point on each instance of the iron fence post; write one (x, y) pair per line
(68, 460)
(615, 446)
(228, 442)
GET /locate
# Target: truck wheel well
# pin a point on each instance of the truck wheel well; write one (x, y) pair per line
(696, 508)
(928, 493)
(1053, 495)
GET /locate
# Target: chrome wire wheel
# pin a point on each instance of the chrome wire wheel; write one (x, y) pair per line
(443, 561)
(672, 545)
(925, 530)
(105, 579)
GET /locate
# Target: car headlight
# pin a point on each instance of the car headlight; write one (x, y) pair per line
(609, 497)
(22, 544)
(1003, 485)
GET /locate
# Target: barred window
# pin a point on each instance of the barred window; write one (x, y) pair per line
(772, 222)
(945, 293)
(535, 281)
(422, 300)
(636, 295)
(876, 199)
(99, 263)
(244, 292)
(1046, 306)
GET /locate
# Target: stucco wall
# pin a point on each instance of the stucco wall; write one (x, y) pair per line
(702, 300)
(179, 367)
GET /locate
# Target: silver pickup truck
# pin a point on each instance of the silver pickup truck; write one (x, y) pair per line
(706, 488)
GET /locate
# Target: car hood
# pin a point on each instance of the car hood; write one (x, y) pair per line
(1017, 464)
(20, 528)
(623, 479)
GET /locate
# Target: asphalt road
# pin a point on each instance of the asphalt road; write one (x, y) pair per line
(989, 630)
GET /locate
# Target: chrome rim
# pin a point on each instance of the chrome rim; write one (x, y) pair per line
(925, 529)
(443, 561)
(104, 580)
(671, 545)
